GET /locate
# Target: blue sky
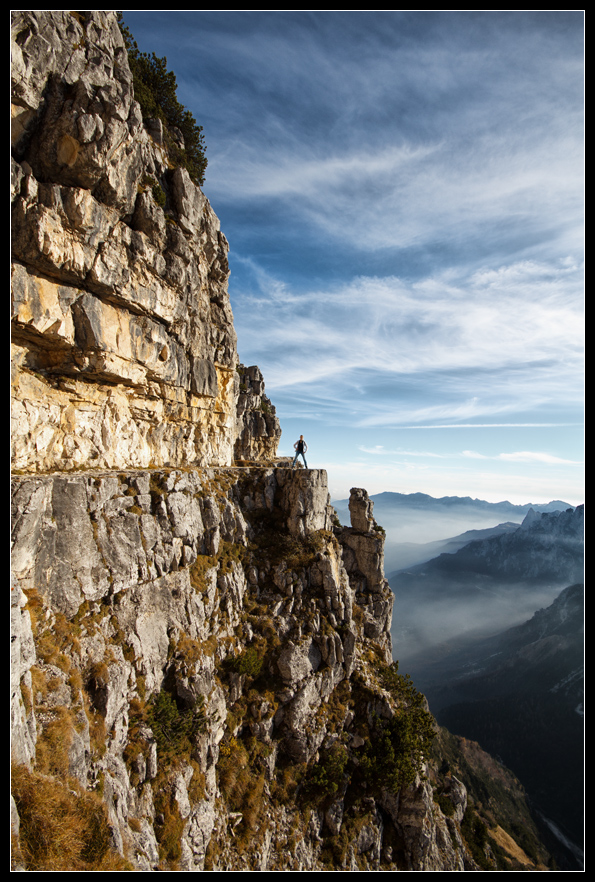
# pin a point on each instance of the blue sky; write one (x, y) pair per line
(403, 197)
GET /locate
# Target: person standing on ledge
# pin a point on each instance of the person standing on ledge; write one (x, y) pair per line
(300, 447)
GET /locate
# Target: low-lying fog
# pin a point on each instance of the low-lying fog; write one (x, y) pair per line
(412, 524)
(431, 616)
(409, 530)
(425, 627)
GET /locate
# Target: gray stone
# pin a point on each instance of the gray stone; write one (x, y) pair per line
(297, 662)
(360, 510)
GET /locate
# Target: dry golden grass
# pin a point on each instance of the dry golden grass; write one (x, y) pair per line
(508, 844)
(54, 743)
(34, 607)
(61, 828)
(171, 825)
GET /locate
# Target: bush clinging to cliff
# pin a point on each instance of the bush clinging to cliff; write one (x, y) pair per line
(155, 89)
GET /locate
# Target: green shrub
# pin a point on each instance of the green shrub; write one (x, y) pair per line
(159, 195)
(395, 755)
(475, 834)
(248, 662)
(397, 747)
(155, 90)
(173, 727)
(445, 804)
(327, 775)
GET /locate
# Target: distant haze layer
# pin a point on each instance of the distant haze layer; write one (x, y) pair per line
(419, 518)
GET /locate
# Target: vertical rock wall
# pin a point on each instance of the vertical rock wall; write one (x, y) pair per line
(230, 598)
(258, 430)
(124, 350)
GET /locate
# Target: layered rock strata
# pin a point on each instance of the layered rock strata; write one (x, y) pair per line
(124, 350)
(258, 430)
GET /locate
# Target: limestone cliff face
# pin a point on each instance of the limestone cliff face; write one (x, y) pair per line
(201, 667)
(124, 349)
(230, 594)
(258, 427)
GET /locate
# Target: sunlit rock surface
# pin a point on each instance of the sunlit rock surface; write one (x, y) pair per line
(124, 349)
(201, 662)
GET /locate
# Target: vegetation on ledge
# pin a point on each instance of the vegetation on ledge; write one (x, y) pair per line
(155, 89)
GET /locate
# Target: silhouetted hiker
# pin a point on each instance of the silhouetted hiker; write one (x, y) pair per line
(300, 447)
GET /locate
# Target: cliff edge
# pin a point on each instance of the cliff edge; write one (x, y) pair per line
(201, 676)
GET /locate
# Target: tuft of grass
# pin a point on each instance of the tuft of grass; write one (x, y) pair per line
(242, 785)
(288, 777)
(61, 828)
(198, 572)
(53, 745)
(35, 607)
(170, 827)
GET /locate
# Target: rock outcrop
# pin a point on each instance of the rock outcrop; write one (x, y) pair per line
(202, 674)
(124, 349)
(258, 430)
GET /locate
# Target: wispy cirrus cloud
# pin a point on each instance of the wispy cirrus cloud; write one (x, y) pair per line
(528, 456)
(421, 195)
(497, 342)
(517, 425)
(380, 450)
(448, 136)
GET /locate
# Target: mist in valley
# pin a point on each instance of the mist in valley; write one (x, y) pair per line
(418, 525)
(409, 532)
(426, 628)
(410, 525)
(461, 599)
(415, 532)
(484, 588)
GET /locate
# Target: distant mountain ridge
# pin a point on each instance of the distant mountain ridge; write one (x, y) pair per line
(415, 520)
(486, 586)
(389, 499)
(547, 545)
(411, 553)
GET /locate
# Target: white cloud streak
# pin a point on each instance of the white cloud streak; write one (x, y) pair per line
(528, 456)
(525, 456)
(493, 426)
(499, 340)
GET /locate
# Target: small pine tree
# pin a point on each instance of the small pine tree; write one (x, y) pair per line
(155, 90)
